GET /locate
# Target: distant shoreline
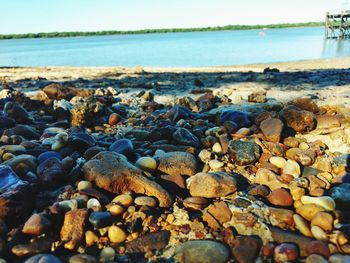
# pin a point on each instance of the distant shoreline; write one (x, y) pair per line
(150, 31)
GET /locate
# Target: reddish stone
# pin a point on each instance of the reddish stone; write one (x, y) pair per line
(280, 197)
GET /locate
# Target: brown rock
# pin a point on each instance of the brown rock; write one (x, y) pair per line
(272, 129)
(112, 172)
(176, 163)
(114, 119)
(38, 246)
(37, 224)
(151, 241)
(56, 91)
(220, 211)
(299, 120)
(319, 248)
(280, 197)
(327, 122)
(284, 216)
(286, 252)
(72, 231)
(211, 221)
(213, 184)
(246, 249)
(305, 104)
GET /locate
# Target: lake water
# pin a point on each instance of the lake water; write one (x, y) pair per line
(175, 49)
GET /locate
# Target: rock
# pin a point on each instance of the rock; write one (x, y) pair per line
(147, 164)
(6, 122)
(341, 195)
(100, 219)
(319, 248)
(302, 225)
(244, 152)
(37, 224)
(90, 238)
(280, 197)
(270, 179)
(72, 231)
(185, 137)
(15, 111)
(315, 259)
(238, 117)
(47, 155)
(87, 112)
(50, 171)
(82, 258)
(323, 220)
(257, 96)
(215, 164)
(56, 91)
(9, 180)
(246, 249)
(213, 184)
(19, 161)
(195, 203)
(116, 234)
(150, 241)
(309, 211)
(318, 233)
(272, 129)
(299, 120)
(286, 252)
(26, 131)
(324, 201)
(277, 161)
(122, 146)
(145, 201)
(38, 246)
(81, 141)
(112, 172)
(338, 258)
(43, 258)
(327, 122)
(124, 200)
(176, 163)
(114, 119)
(107, 254)
(292, 168)
(305, 104)
(220, 211)
(204, 251)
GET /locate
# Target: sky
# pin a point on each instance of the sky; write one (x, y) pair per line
(32, 16)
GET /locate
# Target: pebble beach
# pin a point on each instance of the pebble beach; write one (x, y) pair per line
(223, 164)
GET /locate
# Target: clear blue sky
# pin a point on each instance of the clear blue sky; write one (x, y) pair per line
(23, 16)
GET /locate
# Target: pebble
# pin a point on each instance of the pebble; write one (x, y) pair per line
(195, 203)
(341, 195)
(292, 168)
(299, 120)
(43, 258)
(101, 219)
(217, 148)
(90, 238)
(124, 200)
(277, 161)
(215, 164)
(238, 117)
(68, 205)
(84, 185)
(147, 163)
(318, 233)
(338, 258)
(324, 201)
(308, 211)
(204, 251)
(286, 252)
(176, 163)
(37, 224)
(116, 234)
(122, 146)
(94, 204)
(185, 137)
(116, 210)
(302, 225)
(246, 248)
(107, 254)
(272, 129)
(114, 119)
(323, 220)
(145, 201)
(280, 197)
(244, 152)
(82, 258)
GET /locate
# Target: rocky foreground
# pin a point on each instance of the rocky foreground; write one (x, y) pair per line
(95, 174)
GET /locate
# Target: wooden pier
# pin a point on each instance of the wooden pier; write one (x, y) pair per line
(338, 25)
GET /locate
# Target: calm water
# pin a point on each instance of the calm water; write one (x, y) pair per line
(174, 49)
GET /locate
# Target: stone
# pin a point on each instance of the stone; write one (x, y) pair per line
(26, 131)
(94, 204)
(90, 238)
(246, 249)
(116, 210)
(176, 163)
(72, 231)
(114, 119)
(82, 258)
(116, 234)
(107, 254)
(37, 246)
(238, 117)
(280, 197)
(47, 155)
(220, 211)
(7, 122)
(319, 248)
(315, 259)
(23, 159)
(112, 172)
(215, 164)
(122, 146)
(270, 179)
(100, 219)
(292, 168)
(323, 220)
(145, 201)
(341, 195)
(195, 203)
(327, 122)
(272, 129)
(338, 258)
(37, 224)
(147, 164)
(15, 111)
(299, 120)
(324, 201)
(286, 252)
(87, 112)
(150, 241)
(124, 200)
(185, 137)
(50, 172)
(277, 161)
(302, 225)
(318, 233)
(257, 96)
(309, 211)
(305, 104)
(57, 91)
(82, 185)
(213, 184)
(244, 152)
(9, 179)
(81, 141)
(43, 258)
(204, 251)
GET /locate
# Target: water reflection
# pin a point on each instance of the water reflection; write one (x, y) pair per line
(336, 48)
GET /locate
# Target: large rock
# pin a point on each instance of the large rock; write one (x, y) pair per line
(151, 241)
(112, 172)
(213, 184)
(50, 171)
(185, 137)
(341, 195)
(244, 152)
(176, 163)
(17, 112)
(43, 258)
(246, 249)
(56, 91)
(299, 120)
(272, 129)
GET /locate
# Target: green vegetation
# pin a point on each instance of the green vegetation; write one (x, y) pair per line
(166, 30)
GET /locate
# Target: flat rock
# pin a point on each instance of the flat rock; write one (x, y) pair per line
(341, 195)
(43, 258)
(243, 152)
(246, 249)
(185, 137)
(299, 120)
(50, 171)
(37, 224)
(272, 129)
(112, 172)
(176, 163)
(151, 241)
